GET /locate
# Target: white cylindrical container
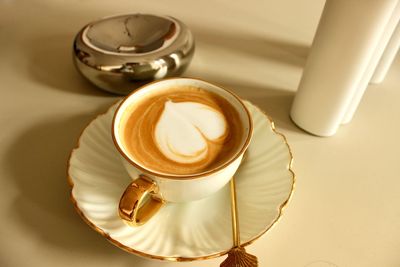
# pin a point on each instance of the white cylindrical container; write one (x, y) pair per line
(387, 57)
(369, 71)
(347, 35)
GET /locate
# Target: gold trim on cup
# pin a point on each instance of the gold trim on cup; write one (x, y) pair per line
(183, 176)
(174, 258)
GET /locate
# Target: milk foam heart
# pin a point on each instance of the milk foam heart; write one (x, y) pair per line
(182, 130)
(185, 129)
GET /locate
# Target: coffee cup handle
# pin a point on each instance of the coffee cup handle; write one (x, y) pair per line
(139, 203)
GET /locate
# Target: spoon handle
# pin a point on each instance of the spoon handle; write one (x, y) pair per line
(235, 217)
(237, 255)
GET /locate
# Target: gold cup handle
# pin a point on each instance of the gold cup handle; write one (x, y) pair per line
(139, 203)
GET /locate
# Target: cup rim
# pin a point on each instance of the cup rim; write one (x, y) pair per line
(145, 170)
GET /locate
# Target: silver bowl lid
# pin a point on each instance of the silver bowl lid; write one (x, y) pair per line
(133, 49)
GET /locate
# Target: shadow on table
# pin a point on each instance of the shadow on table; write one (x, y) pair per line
(51, 64)
(248, 44)
(276, 102)
(37, 162)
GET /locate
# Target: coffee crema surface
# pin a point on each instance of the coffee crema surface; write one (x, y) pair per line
(182, 130)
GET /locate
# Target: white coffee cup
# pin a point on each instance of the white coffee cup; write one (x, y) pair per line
(136, 207)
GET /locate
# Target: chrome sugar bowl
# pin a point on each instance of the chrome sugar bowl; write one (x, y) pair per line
(121, 53)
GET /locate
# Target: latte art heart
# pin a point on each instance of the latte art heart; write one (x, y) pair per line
(185, 129)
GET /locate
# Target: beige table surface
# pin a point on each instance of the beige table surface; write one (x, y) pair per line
(345, 210)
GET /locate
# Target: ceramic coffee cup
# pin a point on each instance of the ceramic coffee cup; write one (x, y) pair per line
(151, 188)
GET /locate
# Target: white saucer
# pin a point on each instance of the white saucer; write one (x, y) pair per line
(189, 231)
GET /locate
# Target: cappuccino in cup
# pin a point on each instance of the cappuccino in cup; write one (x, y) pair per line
(180, 139)
(181, 130)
